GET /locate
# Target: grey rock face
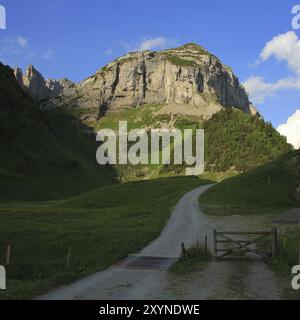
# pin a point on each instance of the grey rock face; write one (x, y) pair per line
(19, 76)
(59, 87)
(39, 88)
(34, 82)
(187, 76)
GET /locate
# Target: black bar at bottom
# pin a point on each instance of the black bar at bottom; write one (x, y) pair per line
(94, 310)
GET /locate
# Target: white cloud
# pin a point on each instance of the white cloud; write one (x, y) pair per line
(18, 47)
(13, 46)
(108, 52)
(149, 43)
(23, 42)
(31, 55)
(153, 43)
(291, 129)
(48, 54)
(284, 47)
(259, 89)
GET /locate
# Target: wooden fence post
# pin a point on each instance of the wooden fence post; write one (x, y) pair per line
(68, 257)
(8, 255)
(274, 243)
(284, 243)
(205, 245)
(198, 243)
(215, 243)
(183, 251)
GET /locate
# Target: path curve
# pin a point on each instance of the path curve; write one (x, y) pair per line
(217, 280)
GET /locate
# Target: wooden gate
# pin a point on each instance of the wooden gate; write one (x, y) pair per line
(226, 244)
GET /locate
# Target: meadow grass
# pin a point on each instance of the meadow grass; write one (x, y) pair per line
(196, 259)
(268, 190)
(101, 226)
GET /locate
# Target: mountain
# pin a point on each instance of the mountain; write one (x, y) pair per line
(40, 89)
(43, 155)
(187, 79)
(185, 87)
(181, 87)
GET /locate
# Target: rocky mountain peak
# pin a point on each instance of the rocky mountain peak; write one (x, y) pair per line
(19, 76)
(187, 77)
(189, 50)
(31, 72)
(38, 88)
(185, 80)
(35, 84)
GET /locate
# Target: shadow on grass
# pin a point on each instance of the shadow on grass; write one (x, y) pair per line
(102, 227)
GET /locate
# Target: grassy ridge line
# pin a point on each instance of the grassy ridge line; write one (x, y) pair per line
(101, 226)
(269, 189)
(43, 155)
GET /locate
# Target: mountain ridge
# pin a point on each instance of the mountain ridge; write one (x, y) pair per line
(187, 76)
(43, 155)
(39, 88)
(70, 131)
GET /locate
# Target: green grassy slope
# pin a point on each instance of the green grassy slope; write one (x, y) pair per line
(101, 226)
(270, 188)
(234, 141)
(42, 155)
(266, 191)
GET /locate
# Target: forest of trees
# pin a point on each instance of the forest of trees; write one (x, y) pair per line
(234, 140)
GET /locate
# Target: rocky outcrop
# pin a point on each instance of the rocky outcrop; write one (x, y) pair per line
(35, 84)
(40, 89)
(61, 86)
(19, 76)
(186, 76)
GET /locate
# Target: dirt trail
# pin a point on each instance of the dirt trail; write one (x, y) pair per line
(217, 280)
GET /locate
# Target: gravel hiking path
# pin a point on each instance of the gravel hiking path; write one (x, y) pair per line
(216, 280)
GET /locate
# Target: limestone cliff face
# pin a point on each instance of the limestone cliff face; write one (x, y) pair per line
(185, 79)
(60, 87)
(185, 76)
(38, 88)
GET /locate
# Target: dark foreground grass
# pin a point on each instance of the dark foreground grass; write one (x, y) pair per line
(196, 258)
(267, 190)
(288, 257)
(101, 227)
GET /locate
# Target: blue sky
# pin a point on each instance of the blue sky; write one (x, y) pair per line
(73, 39)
